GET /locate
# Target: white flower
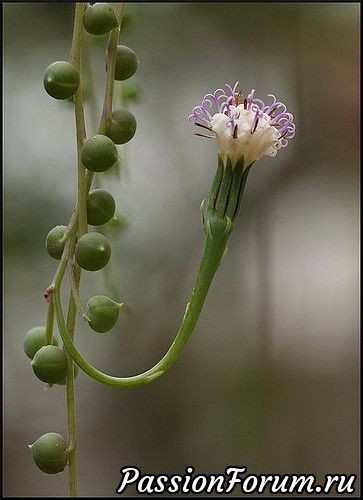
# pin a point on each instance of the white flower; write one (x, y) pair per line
(250, 129)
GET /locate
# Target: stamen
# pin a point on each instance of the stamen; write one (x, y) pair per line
(235, 131)
(245, 104)
(255, 126)
(205, 136)
(238, 98)
(203, 126)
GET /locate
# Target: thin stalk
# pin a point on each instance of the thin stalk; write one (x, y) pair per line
(111, 62)
(75, 59)
(50, 323)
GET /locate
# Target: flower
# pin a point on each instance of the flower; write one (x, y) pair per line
(247, 127)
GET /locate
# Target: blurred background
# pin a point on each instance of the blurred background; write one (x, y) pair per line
(270, 378)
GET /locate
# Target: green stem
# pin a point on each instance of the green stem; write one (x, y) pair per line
(111, 62)
(217, 233)
(71, 406)
(81, 216)
(50, 323)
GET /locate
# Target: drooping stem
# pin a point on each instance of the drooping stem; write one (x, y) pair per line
(214, 246)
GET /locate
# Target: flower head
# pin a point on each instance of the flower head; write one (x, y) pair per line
(244, 126)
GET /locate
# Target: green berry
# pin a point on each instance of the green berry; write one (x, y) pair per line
(76, 371)
(50, 364)
(121, 126)
(55, 241)
(34, 340)
(61, 80)
(50, 453)
(99, 19)
(93, 251)
(101, 207)
(103, 313)
(99, 153)
(126, 63)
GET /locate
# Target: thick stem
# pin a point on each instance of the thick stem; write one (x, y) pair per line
(217, 233)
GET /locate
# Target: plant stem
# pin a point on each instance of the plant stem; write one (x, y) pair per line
(111, 62)
(75, 59)
(50, 323)
(214, 246)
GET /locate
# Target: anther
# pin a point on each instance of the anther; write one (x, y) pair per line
(255, 126)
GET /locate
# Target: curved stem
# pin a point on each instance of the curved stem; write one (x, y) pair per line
(217, 233)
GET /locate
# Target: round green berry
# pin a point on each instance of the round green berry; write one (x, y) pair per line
(93, 251)
(99, 18)
(55, 241)
(121, 126)
(103, 313)
(50, 453)
(101, 207)
(76, 371)
(34, 340)
(99, 153)
(61, 80)
(126, 63)
(50, 364)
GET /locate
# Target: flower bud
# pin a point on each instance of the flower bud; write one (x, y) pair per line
(103, 313)
(126, 63)
(121, 126)
(61, 80)
(50, 453)
(99, 153)
(50, 364)
(55, 241)
(93, 251)
(100, 207)
(99, 18)
(34, 340)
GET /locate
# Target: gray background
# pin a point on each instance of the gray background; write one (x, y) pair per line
(270, 378)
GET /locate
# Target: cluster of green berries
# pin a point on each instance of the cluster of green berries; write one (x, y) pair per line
(92, 252)
(61, 79)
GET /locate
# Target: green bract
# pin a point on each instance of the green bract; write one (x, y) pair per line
(50, 364)
(55, 241)
(50, 453)
(103, 313)
(99, 19)
(99, 153)
(34, 340)
(126, 63)
(121, 126)
(100, 207)
(61, 80)
(92, 251)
